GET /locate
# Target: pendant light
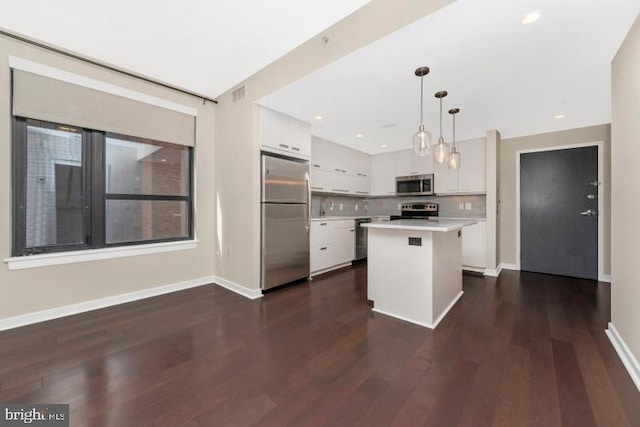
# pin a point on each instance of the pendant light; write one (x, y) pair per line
(453, 161)
(441, 150)
(422, 138)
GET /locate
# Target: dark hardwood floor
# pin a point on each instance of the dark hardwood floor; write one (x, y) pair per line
(524, 349)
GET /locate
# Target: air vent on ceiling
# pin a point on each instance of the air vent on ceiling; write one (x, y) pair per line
(388, 125)
(238, 94)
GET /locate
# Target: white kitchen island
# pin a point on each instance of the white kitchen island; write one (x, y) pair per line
(414, 268)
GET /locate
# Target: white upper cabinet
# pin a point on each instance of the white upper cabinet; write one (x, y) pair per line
(470, 177)
(338, 169)
(383, 174)
(408, 163)
(283, 134)
(445, 180)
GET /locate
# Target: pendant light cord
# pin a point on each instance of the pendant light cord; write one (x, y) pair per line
(421, 100)
(440, 118)
(454, 131)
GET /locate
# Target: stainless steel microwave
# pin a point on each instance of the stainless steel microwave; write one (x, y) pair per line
(414, 185)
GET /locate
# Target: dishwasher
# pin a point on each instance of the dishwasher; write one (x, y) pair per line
(361, 238)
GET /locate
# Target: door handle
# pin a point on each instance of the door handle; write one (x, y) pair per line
(589, 212)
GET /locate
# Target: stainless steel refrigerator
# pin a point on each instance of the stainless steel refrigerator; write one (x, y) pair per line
(285, 221)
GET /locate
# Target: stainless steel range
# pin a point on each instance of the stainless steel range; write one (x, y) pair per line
(416, 210)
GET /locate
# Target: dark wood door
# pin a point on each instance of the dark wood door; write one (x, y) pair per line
(558, 212)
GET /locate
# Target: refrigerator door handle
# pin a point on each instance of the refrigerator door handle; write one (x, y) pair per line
(307, 180)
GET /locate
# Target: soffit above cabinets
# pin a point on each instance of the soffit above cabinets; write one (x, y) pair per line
(502, 74)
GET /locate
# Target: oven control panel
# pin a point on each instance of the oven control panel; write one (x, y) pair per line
(419, 207)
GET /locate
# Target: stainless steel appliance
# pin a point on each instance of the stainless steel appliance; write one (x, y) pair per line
(361, 238)
(418, 210)
(414, 185)
(285, 221)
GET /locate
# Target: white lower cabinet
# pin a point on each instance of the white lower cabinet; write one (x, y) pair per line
(332, 244)
(473, 246)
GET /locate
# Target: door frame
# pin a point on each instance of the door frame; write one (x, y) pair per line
(601, 193)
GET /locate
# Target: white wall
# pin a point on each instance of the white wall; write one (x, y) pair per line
(508, 149)
(625, 197)
(237, 168)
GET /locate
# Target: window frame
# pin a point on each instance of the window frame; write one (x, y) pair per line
(94, 194)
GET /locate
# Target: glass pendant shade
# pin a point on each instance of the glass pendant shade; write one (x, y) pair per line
(453, 161)
(422, 138)
(440, 151)
(422, 142)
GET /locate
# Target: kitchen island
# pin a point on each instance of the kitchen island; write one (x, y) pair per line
(415, 268)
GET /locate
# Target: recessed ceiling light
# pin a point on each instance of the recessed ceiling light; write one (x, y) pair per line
(359, 135)
(559, 116)
(531, 17)
(318, 117)
(384, 145)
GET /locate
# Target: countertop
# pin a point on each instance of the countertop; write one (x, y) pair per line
(334, 218)
(443, 225)
(459, 218)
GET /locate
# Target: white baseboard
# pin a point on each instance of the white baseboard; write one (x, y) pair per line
(473, 269)
(446, 310)
(493, 272)
(335, 267)
(509, 266)
(415, 322)
(238, 289)
(68, 310)
(628, 359)
(605, 278)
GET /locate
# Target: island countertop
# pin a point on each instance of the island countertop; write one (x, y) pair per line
(442, 225)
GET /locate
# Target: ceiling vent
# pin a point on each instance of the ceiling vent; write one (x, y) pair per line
(239, 94)
(388, 125)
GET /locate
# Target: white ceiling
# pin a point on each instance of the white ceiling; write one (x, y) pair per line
(501, 74)
(205, 46)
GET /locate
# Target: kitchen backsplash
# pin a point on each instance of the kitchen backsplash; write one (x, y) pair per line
(351, 206)
(354, 206)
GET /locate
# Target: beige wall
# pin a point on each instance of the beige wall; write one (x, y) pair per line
(625, 230)
(492, 247)
(237, 166)
(30, 290)
(507, 180)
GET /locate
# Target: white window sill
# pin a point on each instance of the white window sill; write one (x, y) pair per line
(44, 260)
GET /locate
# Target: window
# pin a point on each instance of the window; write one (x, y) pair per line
(146, 190)
(83, 189)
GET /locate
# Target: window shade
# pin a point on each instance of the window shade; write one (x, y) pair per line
(44, 98)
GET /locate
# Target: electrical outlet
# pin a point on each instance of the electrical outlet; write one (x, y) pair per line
(331, 206)
(467, 206)
(366, 207)
(399, 206)
(340, 206)
(357, 206)
(461, 206)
